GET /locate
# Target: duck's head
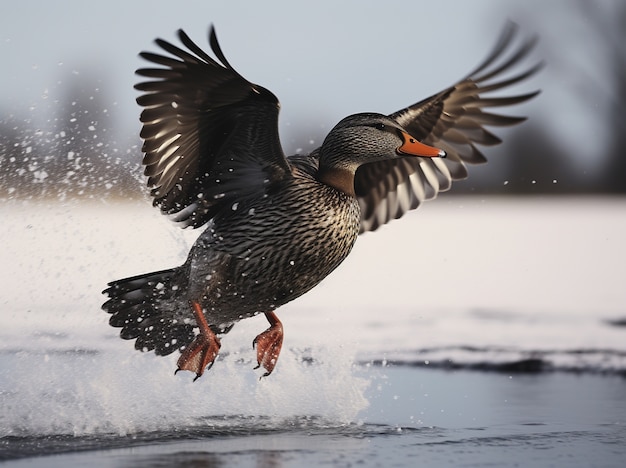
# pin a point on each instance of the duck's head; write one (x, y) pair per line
(364, 138)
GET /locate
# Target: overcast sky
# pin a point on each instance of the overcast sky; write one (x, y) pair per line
(323, 59)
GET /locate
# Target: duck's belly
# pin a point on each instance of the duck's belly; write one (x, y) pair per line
(267, 253)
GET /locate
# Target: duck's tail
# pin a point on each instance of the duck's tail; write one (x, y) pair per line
(151, 308)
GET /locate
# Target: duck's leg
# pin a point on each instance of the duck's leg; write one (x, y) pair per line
(203, 349)
(269, 343)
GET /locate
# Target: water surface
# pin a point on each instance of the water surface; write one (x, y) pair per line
(452, 347)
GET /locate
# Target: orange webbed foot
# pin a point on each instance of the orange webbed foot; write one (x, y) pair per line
(199, 355)
(203, 350)
(269, 344)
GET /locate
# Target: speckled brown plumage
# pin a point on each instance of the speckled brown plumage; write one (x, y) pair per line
(277, 226)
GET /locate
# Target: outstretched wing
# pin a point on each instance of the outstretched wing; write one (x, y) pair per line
(452, 120)
(210, 136)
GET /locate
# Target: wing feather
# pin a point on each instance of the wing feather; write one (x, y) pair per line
(209, 134)
(452, 120)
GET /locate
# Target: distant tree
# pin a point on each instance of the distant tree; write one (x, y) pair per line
(78, 157)
(87, 160)
(538, 164)
(603, 91)
(612, 30)
(21, 174)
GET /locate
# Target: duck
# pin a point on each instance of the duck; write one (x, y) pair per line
(275, 226)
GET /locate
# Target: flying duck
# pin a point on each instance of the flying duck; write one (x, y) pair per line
(275, 226)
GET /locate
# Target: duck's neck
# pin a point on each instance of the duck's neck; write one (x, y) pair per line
(338, 178)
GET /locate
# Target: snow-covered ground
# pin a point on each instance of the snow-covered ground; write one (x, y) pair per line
(464, 281)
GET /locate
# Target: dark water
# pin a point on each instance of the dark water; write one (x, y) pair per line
(416, 417)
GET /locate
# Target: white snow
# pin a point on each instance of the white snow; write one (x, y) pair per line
(517, 275)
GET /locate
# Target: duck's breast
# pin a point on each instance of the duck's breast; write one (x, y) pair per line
(275, 247)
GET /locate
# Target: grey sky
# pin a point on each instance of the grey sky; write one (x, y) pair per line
(323, 59)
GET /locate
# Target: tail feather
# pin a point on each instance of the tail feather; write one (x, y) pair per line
(150, 308)
(136, 289)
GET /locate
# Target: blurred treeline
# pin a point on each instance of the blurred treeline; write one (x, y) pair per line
(76, 155)
(79, 154)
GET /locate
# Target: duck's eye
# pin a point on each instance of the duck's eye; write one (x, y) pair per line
(380, 126)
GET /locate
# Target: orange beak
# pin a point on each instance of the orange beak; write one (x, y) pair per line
(413, 147)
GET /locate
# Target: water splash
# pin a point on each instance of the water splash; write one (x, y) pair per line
(117, 390)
